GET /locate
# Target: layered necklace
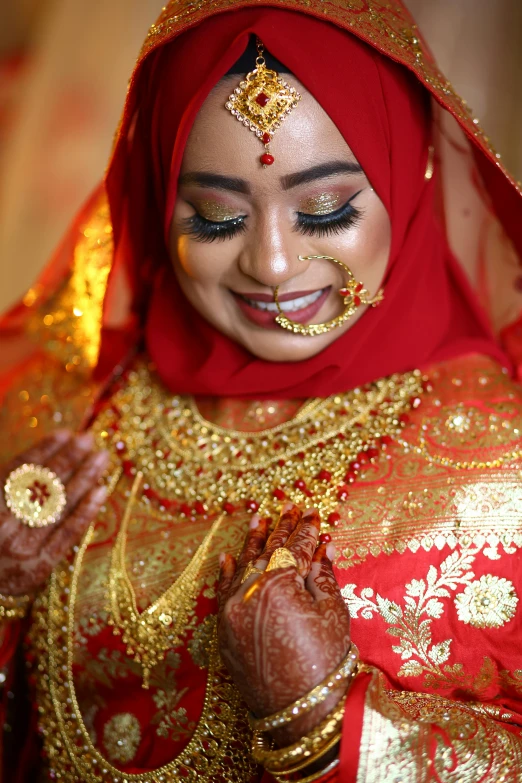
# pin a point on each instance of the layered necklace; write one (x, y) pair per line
(193, 467)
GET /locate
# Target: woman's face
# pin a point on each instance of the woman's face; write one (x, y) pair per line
(238, 229)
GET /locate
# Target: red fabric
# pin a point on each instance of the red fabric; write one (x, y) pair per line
(430, 312)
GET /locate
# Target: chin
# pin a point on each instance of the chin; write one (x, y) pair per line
(285, 347)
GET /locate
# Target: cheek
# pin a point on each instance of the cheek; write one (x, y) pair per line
(199, 263)
(371, 239)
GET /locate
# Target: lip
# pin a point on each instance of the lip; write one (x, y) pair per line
(266, 319)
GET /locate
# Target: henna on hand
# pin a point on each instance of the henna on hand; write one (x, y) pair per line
(282, 632)
(28, 555)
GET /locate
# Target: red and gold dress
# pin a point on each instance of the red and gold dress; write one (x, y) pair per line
(418, 478)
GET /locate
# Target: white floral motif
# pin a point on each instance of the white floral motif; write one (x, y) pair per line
(490, 602)
(121, 737)
(412, 624)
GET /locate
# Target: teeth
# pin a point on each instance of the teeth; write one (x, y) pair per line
(287, 307)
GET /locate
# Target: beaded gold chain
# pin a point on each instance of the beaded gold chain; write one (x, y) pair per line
(220, 745)
(192, 466)
(160, 627)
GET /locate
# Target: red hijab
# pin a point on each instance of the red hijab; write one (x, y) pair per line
(430, 312)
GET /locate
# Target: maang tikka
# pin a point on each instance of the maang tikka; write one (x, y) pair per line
(262, 101)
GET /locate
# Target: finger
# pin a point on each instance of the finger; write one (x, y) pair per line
(290, 517)
(226, 577)
(37, 454)
(303, 541)
(254, 545)
(69, 532)
(321, 581)
(65, 461)
(85, 478)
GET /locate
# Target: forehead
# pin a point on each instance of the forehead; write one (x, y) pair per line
(219, 143)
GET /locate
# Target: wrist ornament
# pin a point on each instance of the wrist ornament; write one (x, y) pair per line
(14, 607)
(346, 670)
(309, 748)
(312, 777)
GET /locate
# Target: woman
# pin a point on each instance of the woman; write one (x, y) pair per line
(270, 410)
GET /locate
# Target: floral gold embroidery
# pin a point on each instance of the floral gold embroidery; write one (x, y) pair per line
(412, 623)
(490, 602)
(201, 642)
(121, 737)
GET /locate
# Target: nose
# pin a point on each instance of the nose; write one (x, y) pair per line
(272, 256)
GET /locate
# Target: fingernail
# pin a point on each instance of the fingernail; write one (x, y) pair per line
(286, 507)
(61, 435)
(331, 552)
(222, 558)
(85, 440)
(254, 522)
(101, 457)
(99, 494)
(309, 511)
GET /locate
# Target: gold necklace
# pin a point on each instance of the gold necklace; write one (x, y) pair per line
(194, 467)
(150, 634)
(220, 745)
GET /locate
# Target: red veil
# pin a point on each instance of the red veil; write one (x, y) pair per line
(433, 309)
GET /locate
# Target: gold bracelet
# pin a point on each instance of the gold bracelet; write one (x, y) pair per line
(281, 758)
(14, 607)
(315, 775)
(310, 760)
(345, 671)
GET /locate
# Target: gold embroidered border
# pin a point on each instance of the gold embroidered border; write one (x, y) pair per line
(401, 728)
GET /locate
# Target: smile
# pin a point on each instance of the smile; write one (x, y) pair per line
(299, 302)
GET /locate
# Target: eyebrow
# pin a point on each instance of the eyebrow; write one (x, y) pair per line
(206, 179)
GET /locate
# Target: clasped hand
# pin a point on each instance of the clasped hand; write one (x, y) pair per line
(282, 632)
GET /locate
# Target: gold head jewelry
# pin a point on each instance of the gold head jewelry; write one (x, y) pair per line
(262, 101)
(354, 295)
(35, 495)
(281, 558)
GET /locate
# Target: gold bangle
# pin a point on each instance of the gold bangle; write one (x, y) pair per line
(281, 758)
(310, 760)
(345, 671)
(315, 776)
(14, 607)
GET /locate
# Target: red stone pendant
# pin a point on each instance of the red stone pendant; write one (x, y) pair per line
(267, 159)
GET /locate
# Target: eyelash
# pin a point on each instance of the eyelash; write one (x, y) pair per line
(203, 230)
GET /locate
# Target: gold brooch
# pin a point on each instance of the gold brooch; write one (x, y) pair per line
(262, 101)
(35, 495)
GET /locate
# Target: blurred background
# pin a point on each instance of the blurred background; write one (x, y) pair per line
(64, 67)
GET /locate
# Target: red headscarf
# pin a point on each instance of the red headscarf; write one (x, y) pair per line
(430, 311)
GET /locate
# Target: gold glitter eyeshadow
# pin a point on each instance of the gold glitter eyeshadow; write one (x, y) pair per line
(322, 204)
(217, 213)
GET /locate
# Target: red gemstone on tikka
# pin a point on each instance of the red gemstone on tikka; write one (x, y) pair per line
(262, 99)
(325, 538)
(324, 475)
(252, 505)
(199, 508)
(229, 508)
(334, 518)
(300, 484)
(279, 494)
(266, 138)
(267, 159)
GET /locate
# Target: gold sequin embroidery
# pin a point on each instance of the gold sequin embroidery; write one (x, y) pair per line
(489, 602)
(121, 737)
